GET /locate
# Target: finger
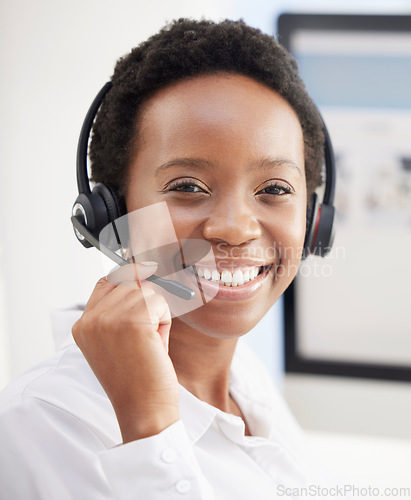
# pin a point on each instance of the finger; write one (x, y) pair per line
(102, 288)
(159, 316)
(137, 272)
(164, 328)
(132, 274)
(122, 297)
(108, 294)
(125, 297)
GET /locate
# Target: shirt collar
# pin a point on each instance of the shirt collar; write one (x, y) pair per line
(196, 414)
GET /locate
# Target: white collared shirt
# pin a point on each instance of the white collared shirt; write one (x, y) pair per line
(60, 438)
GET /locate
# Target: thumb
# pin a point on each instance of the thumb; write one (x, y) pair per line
(136, 272)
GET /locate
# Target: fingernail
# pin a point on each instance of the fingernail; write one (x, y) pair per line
(149, 263)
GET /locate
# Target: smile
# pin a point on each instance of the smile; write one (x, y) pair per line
(240, 284)
(227, 278)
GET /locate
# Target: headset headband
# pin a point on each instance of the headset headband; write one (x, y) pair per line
(83, 182)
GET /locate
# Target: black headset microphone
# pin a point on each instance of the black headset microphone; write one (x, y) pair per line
(95, 209)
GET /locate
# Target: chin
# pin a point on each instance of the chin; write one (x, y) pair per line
(217, 320)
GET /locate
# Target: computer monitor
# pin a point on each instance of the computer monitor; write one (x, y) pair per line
(350, 313)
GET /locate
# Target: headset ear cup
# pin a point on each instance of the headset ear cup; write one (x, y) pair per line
(312, 215)
(114, 204)
(115, 208)
(325, 231)
(92, 211)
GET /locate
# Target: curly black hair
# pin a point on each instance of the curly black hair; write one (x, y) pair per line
(187, 48)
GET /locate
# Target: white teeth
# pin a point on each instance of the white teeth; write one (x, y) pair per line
(215, 276)
(227, 278)
(238, 278)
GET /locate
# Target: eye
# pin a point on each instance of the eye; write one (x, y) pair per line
(185, 186)
(276, 188)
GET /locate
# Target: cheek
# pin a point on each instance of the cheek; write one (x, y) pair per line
(187, 222)
(288, 234)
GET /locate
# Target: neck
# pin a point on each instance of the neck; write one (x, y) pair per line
(202, 363)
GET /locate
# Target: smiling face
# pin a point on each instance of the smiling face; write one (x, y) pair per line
(226, 154)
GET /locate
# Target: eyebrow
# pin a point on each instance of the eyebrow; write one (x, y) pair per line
(187, 162)
(269, 163)
(265, 164)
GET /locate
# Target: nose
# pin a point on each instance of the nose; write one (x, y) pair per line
(232, 221)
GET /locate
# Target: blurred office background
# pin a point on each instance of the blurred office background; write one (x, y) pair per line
(55, 56)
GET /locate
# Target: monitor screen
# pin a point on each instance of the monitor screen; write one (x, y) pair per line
(353, 307)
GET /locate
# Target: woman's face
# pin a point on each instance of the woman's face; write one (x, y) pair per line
(232, 174)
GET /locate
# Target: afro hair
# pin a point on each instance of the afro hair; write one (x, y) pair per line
(187, 48)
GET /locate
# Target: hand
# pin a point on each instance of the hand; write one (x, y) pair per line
(123, 334)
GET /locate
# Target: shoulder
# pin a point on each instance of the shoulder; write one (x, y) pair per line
(60, 388)
(54, 421)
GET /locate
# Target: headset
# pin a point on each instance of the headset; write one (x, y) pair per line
(95, 209)
(322, 216)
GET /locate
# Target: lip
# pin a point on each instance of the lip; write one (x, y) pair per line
(240, 292)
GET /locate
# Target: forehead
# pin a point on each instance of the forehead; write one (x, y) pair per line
(226, 119)
(216, 100)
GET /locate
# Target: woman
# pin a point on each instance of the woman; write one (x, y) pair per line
(214, 120)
